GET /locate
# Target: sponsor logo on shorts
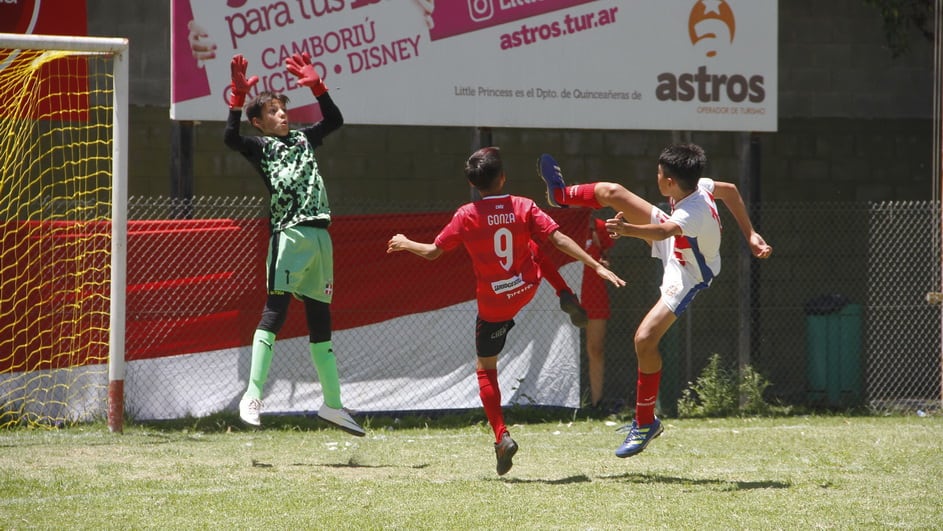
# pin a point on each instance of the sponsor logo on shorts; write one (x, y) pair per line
(672, 290)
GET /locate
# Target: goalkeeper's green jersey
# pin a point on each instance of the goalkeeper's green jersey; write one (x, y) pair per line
(287, 164)
(297, 189)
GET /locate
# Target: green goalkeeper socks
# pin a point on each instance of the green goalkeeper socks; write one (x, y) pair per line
(262, 342)
(322, 355)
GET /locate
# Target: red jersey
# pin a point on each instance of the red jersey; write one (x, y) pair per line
(594, 296)
(599, 241)
(497, 231)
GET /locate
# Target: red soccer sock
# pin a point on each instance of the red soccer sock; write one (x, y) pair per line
(580, 195)
(491, 399)
(647, 395)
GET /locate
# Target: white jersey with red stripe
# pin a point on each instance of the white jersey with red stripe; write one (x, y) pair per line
(691, 259)
(697, 248)
(496, 232)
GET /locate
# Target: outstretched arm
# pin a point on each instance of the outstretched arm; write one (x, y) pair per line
(398, 242)
(650, 232)
(239, 88)
(300, 66)
(567, 245)
(728, 193)
(241, 85)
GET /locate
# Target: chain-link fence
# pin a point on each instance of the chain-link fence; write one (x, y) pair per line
(837, 317)
(903, 330)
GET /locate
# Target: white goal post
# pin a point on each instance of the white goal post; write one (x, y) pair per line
(116, 51)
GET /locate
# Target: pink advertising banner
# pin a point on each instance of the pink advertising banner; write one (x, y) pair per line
(189, 79)
(456, 18)
(585, 64)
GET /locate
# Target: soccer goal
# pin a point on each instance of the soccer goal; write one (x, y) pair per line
(63, 242)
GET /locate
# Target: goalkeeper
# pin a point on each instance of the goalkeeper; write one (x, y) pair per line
(300, 259)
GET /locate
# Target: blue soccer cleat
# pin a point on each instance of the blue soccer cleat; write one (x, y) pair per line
(549, 171)
(638, 438)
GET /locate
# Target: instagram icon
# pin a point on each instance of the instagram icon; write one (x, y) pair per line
(480, 10)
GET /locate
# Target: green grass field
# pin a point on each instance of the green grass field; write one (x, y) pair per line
(817, 472)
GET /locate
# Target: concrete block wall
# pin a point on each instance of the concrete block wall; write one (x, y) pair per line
(854, 124)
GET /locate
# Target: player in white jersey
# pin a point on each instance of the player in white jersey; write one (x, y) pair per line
(686, 240)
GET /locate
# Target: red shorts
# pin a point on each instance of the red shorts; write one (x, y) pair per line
(594, 297)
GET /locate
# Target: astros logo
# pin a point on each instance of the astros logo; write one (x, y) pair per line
(711, 25)
(711, 28)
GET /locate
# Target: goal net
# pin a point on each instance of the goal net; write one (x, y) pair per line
(63, 115)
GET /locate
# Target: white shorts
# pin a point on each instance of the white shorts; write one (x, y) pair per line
(678, 287)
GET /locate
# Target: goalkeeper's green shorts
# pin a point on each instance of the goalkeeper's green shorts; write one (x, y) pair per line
(300, 261)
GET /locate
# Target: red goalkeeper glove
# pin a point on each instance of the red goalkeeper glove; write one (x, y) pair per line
(240, 85)
(301, 67)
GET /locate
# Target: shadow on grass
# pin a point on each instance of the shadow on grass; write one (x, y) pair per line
(454, 418)
(354, 464)
(374, 421)
(581, 478)
(351, 463)
(724, 484)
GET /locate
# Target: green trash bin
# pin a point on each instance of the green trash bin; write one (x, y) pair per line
(833, 347)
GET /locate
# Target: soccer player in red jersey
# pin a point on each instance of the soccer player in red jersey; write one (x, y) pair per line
(501, 234)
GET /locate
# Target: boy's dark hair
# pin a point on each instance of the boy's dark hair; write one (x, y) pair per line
(256, 104)
(683, 163)
(483, 167)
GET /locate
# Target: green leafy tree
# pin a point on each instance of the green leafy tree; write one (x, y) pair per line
(901, 18)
